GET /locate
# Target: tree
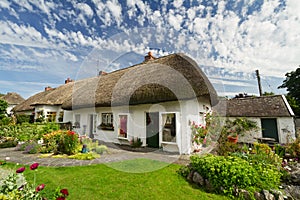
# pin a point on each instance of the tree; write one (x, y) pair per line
(3, 107)
(268, 93)
(292, 84)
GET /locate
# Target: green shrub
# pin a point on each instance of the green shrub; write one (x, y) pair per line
(294, 148)
(21, 118)
(280, 150)
(84, 156)
(101, 149)
(32, 147)
(136, 142)
(232, 172)
(7, 142)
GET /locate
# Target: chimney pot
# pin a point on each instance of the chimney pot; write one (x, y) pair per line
(102, 73)
(149, 56)
(48, 88)
(68, 80)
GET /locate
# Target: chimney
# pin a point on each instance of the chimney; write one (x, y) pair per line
(102, 73)
(48, 88)
(149, 56)
(68, 80)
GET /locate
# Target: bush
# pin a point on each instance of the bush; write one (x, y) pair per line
(23, 119)
(229, 173)
(294, 148)
(84, 156)
(7, 142)
(136, 142)
(101, 149)
(68, 143)
(32, 147)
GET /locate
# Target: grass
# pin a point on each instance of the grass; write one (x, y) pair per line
(111, 182)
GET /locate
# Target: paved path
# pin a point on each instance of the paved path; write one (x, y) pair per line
(113, 155)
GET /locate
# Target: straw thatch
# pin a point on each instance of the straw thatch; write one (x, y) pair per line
(26, 105)
(12, 98)
(265, 106)
(170, 78)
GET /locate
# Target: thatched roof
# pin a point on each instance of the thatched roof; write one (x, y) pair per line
(26, 105)
(170, 78)
(12, 98)
(265, 106)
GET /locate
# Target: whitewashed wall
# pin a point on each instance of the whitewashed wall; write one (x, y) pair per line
(186, 112)
(285, 127)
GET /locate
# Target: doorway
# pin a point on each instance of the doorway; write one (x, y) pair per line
(152, 129)
(92, 125)
(269, 128)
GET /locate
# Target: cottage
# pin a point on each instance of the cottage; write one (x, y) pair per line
(13, 99)
(47, 104)
(273, 115)
(155, 101)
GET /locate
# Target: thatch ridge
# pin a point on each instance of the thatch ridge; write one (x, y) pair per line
(13, 98)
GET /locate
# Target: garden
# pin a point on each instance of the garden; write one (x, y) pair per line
(240, 170)
(231, 170)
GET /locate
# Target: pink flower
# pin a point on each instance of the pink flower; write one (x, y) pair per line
(34, 166)
(60, 198)
(20, 170)
(65, 192)
(40, 187)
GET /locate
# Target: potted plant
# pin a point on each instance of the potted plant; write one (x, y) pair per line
(237, 127)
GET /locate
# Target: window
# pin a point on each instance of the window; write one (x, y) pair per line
(169, 127)
(51, 116)
(107, 121)
(61, 116)
(77, 121)
(123, 119)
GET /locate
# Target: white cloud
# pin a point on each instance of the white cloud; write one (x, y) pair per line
(178, 3)
(86, 9)
(4, 4)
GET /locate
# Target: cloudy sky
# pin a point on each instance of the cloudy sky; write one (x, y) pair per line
(44, 42)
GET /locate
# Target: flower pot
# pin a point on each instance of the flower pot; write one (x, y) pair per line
(233, 139)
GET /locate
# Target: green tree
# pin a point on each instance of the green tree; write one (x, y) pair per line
(3, 107)
(292, 84)
(268, 93)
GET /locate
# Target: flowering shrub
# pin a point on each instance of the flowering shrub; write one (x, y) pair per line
(61, 142)
(68, 143)
(208, 133)
(199, 133)
(15, 187)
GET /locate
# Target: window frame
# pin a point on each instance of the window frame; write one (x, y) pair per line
(162, 141)
(107, 121)
(119, 125)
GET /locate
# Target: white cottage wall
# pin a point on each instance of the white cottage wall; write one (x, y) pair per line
(286, 129)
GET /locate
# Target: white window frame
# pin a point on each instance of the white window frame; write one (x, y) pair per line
(119, 125)
(75, 120)
(162, 127)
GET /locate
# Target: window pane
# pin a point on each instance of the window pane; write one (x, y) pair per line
(107, 123)
(169, 127)
(123, 126)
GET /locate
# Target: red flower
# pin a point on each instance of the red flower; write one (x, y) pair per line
(34, 166)
(40, 187)
(60, 198)
(65, 192)
(20, 170)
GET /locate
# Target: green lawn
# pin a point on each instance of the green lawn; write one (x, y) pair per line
(105, 182)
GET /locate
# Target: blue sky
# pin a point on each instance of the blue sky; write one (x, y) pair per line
(44, 42)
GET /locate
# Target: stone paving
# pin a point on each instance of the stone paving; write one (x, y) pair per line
(113, 155)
